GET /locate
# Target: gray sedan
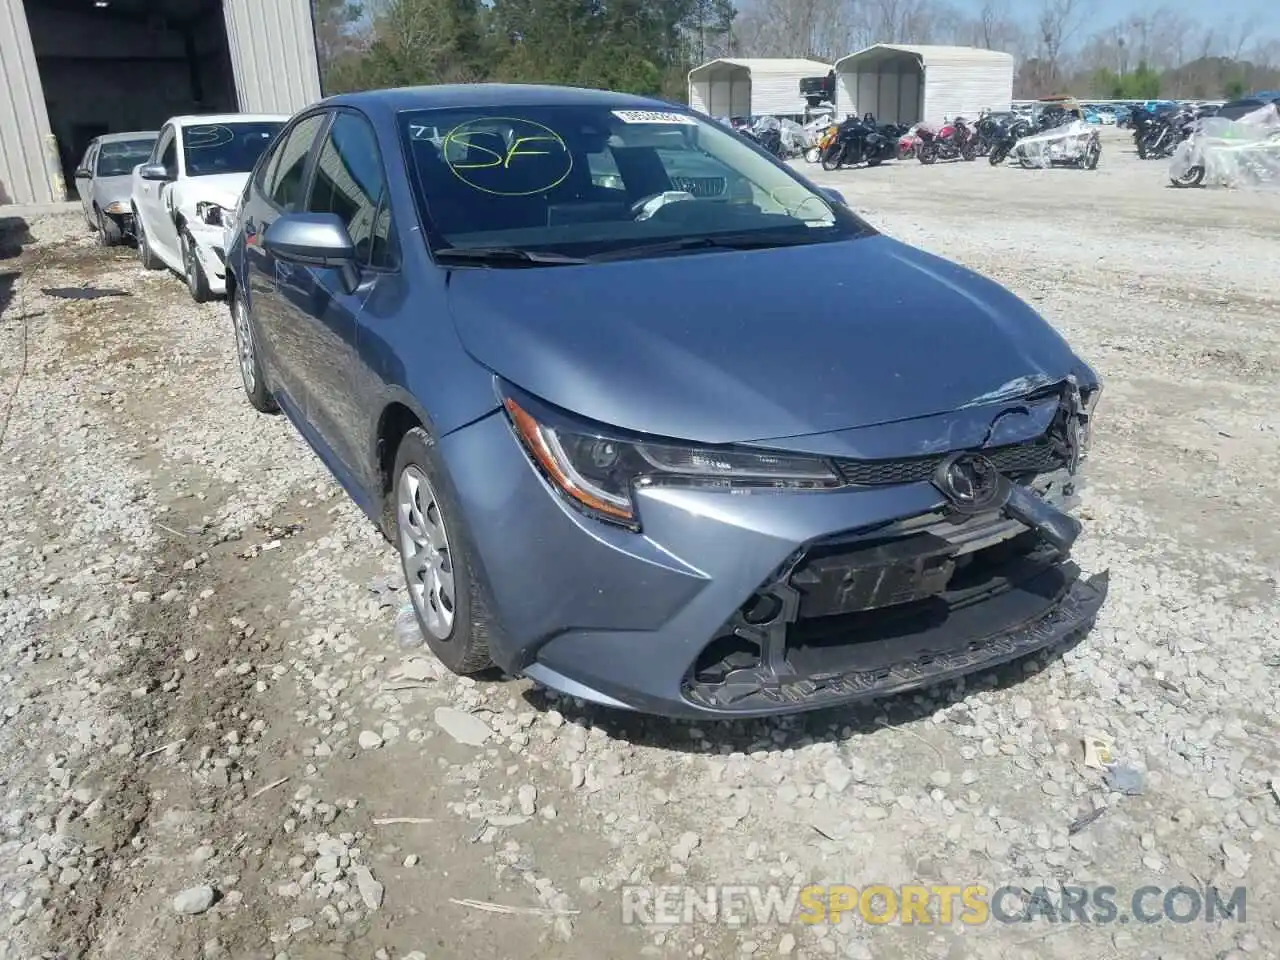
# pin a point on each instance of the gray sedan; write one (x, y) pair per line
(103, 181)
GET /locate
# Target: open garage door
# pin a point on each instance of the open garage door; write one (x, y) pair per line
(115, 66)
(110, 66)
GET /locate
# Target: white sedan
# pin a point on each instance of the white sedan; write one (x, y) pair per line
(189, 186)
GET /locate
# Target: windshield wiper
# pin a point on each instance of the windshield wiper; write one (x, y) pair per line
(504, 256)
(733, 241)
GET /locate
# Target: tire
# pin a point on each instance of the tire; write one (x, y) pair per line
(875, 161)
(454, 620)
(997, 155)
(1142, 150)
(905, 153)
(926, 154)
(1192, 178)
(146, 256)
(197, 282)
(967, 152)
(109, 232)
(1092, 154)
(255, 384)
(812, 155)
(831, 161)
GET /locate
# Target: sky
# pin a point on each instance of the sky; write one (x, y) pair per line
(1207, 12)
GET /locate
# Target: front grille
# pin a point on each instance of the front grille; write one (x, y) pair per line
(1034, 456)
(699, 186)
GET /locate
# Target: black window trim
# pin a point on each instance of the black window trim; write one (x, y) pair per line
(383, 198)
(326, 117)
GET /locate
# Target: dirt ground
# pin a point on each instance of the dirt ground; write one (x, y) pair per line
(212, 745)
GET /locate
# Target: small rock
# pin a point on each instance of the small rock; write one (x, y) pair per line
(786, 945)
(836, 775)
(527, 797)
(369, 740)
(1221, 790)
(370, 889)
(411, 860)
(463, 727)
(193, 901)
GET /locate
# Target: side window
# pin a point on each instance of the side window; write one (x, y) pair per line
(283, 182)
(350, 182)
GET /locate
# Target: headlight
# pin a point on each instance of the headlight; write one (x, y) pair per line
(117, 207)
(596, 469)
(210, 213)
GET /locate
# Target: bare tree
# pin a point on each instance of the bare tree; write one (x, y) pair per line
(1057, 23)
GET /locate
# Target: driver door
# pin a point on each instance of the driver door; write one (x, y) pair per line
(151, 197)
(84, 180)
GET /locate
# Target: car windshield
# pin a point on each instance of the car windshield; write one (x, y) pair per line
(585, 180)
(117, 158)
(226, 147)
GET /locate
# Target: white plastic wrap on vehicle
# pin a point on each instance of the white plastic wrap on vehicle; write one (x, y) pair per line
(1065, 144)
(1232, 153)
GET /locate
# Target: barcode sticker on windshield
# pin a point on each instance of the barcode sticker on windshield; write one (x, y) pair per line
(653, 116)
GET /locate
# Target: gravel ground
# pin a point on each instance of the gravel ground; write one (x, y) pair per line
(212, 745)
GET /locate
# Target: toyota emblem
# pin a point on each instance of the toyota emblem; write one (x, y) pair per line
(970, 481)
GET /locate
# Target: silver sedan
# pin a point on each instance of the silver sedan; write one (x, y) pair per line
(103, 181)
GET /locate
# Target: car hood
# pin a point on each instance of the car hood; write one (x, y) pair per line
(221, 188)
(107, 190)
(754, 345)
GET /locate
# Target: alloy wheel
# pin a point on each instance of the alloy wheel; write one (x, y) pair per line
(244, 344)
(424, 550)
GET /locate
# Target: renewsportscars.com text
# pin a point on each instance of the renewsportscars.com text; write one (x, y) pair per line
(879, 904)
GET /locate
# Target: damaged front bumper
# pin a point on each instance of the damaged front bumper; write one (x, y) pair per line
(778, 602)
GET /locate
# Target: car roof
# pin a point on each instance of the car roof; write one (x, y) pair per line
(129, 135)
(492, 95)
(200, 119)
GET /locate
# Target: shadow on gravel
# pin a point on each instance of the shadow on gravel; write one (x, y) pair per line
(14, 235)
(796, 730)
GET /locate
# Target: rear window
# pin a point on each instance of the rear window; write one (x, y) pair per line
(214, 148)
(117, 158)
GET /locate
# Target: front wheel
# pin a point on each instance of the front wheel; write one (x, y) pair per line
(1192, 178)
(875, 161)
(997, 155)
(197, 282)
(109, 233)
(927, 154)
(443, 588)
(832, 160)
(968, 152)
(812, 155)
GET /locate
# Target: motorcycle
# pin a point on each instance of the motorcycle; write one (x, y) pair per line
(858, 141)
(1005, 135)
(825, 139)
(954, 140)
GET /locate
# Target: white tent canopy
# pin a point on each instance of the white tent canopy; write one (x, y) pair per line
(731, 87)
(907, 83)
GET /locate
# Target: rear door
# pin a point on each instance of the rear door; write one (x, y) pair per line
(278, 187)
(319, 315)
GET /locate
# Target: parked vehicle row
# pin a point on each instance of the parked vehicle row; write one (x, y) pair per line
(174, 190)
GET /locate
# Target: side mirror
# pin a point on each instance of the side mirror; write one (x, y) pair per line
(82, 173)
(314, 240)
(834, 195)
(154, 171)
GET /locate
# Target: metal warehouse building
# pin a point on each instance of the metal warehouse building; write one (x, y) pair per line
(906, 83)
(74, 69)
(746, 88)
